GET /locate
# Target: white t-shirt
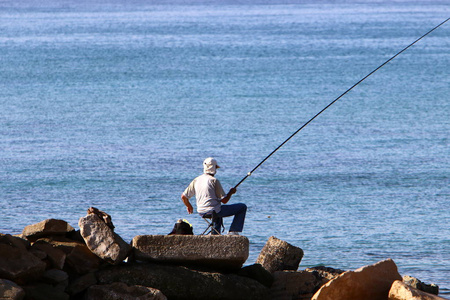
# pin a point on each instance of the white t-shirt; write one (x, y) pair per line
(208, 191)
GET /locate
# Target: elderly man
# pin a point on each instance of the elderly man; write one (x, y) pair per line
(210, 197)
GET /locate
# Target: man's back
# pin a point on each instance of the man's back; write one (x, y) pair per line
(208, 191)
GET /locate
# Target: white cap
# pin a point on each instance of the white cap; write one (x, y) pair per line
(210, 166)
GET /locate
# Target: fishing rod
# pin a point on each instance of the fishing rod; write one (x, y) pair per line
(335, 100)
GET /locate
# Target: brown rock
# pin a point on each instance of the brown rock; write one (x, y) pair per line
(278, 255)
(46, 228)
(19, 265)
(214, 251)
(369, 283)
(300, 285)
(102, 240)
(55, 277)
(81, 260)
(56, 256)
(43, 291)
(62, 243)
(102, 215)
(121, 291)
(258, 273)
(10, 290)
(324, 274)
(14, 241)
(417, 284)
(82, 283)
(402, 291)
(180, 283)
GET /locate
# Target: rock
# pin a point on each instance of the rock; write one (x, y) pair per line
(102, 240)
(19, 265)
(38, 253)
(82, 283)
(222, 252)
(278, 255)
(47, 227)
(55, 277)
(56, 257)
(402, 291)
(75, 236)
(177, 282)
(324, 274)
(43, 291)
(294, 285)
(121, 291)
(14, 241)
(65, 244)
(417, 284)
(258, 273)
(369, 283)
(81, 260)
(102, 215)
(10, 290)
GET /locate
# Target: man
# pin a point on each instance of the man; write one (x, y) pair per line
(210, 196)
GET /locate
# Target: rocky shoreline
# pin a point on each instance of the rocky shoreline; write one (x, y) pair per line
(52, 260)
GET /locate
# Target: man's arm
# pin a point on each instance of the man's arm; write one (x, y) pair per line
(186, 202)
(228, 196)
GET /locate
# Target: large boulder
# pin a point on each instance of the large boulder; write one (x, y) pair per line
(369, 283)
(214, 251)
(402, 291)
(278, 255)
(102, 240)
(45, 228)
(10, 290)
(121, 291)
(299, 285)
(181, 283)
(18, 265)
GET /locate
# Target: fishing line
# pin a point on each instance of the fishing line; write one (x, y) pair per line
(335, 100)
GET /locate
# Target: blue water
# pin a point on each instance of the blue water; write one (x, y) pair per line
(115, 105)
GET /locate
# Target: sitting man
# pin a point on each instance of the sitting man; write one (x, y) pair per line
(210, 195)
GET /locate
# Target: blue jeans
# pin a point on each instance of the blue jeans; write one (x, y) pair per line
(237, 210)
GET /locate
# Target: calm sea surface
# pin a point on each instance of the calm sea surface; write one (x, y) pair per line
(116, 105)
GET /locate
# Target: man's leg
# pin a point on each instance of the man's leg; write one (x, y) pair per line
(237, 210)
(217, 225)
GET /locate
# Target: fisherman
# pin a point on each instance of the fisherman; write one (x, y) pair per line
(211, 198)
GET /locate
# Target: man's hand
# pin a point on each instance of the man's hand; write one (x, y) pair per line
(188, 204)
(228, 196)
(190, 209)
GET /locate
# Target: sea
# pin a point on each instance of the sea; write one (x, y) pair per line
(115, 104)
